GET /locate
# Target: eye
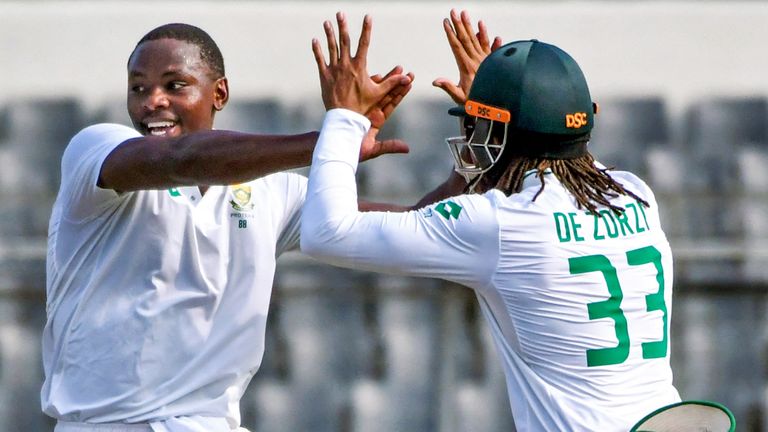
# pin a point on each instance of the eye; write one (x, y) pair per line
(137, 88)
(176, 85)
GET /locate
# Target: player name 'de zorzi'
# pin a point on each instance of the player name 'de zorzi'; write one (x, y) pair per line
(574, 226)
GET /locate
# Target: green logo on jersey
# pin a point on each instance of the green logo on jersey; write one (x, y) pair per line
(174, 192)
(448, 209)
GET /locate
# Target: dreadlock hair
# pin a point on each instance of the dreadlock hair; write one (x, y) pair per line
(209, 51)
(590, 185)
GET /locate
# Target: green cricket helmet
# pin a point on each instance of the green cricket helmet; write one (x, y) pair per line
(530, 94)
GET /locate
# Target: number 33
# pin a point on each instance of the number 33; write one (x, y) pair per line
(611, 308)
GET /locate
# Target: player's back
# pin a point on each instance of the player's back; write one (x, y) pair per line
(579, 307)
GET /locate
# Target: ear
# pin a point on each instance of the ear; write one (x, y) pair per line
(220, 93)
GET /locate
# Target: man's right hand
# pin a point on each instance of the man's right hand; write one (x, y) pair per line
(345, 81)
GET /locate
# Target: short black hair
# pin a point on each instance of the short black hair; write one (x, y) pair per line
(209, 51)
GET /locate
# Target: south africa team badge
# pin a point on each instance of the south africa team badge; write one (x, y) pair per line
(241, 195)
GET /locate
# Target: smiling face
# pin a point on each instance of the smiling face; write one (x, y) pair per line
(171, 90)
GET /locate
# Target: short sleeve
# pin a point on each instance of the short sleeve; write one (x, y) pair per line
(81, 166)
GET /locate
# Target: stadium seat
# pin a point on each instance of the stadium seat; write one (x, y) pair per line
(715, 125)
(321, 316)
(710, 358)
(666, 168)
(753, 210)
(373, 409)
(404, 394)
(716, 130)
(626, 127)
(407, 321)
(264, 116)
(21, 323)
(44, 120)
(38, 131)
(112, 111)
(269, 406)
(4, 126)
(481, 402)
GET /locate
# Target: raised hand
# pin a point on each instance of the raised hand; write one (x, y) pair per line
(379, 114)
(344, 80)
(469, 50)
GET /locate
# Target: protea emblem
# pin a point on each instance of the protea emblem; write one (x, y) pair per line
(241, 195)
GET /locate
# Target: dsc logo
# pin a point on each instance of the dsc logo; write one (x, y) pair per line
(575, 120)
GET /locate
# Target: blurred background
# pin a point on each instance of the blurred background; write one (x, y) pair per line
(683, 89)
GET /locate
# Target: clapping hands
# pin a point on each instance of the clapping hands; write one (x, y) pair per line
(345, 83)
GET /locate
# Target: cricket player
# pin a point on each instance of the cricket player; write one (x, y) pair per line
(162, 246)
(567, 259)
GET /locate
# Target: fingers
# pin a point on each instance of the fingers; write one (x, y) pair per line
(496, 43)
(391, 82)
(398, 96)
(345, 82)
(458, 27)
(397, 70)
(466, 23)
(319, 58)
(389, 102)
(482, 37)
(365, 40)
(457, 48)
(464, 32)
(392, 146)
(333, 49)
(344, 50)
(455, 92)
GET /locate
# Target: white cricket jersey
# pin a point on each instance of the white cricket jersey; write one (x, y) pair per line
(578, 306)
(157, 299)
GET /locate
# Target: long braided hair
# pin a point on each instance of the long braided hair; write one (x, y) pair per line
(589, 184)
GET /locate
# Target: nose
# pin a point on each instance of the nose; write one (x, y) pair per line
(155, 99)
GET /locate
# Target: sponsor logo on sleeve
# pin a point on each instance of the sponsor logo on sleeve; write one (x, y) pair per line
(448, 210)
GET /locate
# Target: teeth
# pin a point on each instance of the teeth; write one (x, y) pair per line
(160, 124)
(159, 128)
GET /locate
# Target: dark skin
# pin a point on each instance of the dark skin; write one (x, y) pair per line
(174, 94)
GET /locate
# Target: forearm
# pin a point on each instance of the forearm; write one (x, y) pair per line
(203, 158)
(332, 191)
(224, 157)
